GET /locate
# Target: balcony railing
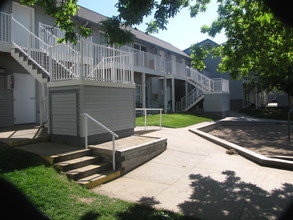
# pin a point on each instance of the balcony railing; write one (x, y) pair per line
(5, 27)
(85, 60)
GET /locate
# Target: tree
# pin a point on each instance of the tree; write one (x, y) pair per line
(259, 46)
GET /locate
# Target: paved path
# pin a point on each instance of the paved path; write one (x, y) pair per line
(197, 177)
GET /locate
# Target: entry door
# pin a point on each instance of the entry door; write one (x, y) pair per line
(24, 95)
(25, 16)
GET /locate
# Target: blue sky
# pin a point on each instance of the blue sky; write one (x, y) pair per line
(182, 31)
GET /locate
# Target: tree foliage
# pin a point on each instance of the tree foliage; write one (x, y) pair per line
(259, 46)
(63, 11)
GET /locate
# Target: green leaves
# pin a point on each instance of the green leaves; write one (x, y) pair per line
(259, 46)
(115, 33)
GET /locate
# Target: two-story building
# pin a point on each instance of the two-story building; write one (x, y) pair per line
(44, 82)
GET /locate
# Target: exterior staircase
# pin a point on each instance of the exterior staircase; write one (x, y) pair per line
(34, 68)
(84, 167)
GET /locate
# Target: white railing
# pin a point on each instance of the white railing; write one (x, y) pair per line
(146, 60)
(190, 98)
(149, 61)
(175, 68)
(84, 60)
(5, 27)
(145, 114)
(114, 135)
(31, 45)
(205, 82)
(115, 69)
(220, 85)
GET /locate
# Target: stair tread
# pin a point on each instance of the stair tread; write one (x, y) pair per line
(86, 168)
(95, 177)
(73, 161)
(73, 152)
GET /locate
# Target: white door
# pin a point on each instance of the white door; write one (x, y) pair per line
(25, 16)
(24, 96)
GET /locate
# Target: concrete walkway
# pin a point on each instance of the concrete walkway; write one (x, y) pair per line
(196, 177)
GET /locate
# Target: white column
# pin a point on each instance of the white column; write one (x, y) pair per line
(173, 95)
(143, 91)
(165, 96)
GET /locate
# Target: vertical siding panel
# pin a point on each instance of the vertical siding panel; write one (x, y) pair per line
(63, 112)
(113, 107)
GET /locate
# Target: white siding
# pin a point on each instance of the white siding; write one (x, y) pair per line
(113, 107)
(63, 112)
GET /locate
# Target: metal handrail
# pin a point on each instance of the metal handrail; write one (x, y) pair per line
(145, 114)
(114, 135)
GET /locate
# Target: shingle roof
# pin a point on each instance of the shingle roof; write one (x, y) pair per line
(96, 18)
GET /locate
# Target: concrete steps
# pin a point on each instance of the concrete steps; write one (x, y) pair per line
(84, 167)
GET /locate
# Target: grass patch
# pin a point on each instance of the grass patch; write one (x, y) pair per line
(174, 120)
(268, 112)
(58, 198)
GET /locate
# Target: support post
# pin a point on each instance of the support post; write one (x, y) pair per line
(113, 153)
(143, 87)
(173, 95)
(160, 119)
(165, 96)
(85, 132)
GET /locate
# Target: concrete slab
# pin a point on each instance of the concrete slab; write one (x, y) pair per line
(196, 177)
(23, 134)
(48, 148)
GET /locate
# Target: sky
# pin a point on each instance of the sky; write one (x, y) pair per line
(182, 31)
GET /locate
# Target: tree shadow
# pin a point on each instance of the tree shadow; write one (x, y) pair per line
(90, 216)
(148, 201)
(234, 199)
(14, 159)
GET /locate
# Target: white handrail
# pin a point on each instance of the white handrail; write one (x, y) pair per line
(145, 114)
(114, 135)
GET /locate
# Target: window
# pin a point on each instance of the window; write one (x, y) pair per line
(140, 47)
(103, 39)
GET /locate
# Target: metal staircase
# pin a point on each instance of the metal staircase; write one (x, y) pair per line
(202, 84)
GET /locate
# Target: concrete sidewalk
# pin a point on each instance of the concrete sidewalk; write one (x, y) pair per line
(196, 177)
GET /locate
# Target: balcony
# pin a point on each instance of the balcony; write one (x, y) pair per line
(63, 62)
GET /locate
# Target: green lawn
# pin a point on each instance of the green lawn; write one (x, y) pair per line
(58, 198)
(174, 120)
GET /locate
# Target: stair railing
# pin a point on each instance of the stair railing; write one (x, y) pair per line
(190, 98)
(114, 135)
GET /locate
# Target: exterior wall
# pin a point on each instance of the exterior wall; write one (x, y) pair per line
(10, 66)
(111, 106)
(6, 102)
(218, 103)
(64, 112)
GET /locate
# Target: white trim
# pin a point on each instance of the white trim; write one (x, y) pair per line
(90, 83)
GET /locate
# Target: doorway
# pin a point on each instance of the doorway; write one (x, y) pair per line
(24, 99)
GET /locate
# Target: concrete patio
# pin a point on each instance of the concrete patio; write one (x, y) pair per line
(196, 177)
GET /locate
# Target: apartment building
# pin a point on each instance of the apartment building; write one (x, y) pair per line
(54, 84)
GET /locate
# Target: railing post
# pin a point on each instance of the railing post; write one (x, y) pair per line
(113, 153)
(50, 61)
(85, 131)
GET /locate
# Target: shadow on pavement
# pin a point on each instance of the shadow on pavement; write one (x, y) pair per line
(234, 199)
